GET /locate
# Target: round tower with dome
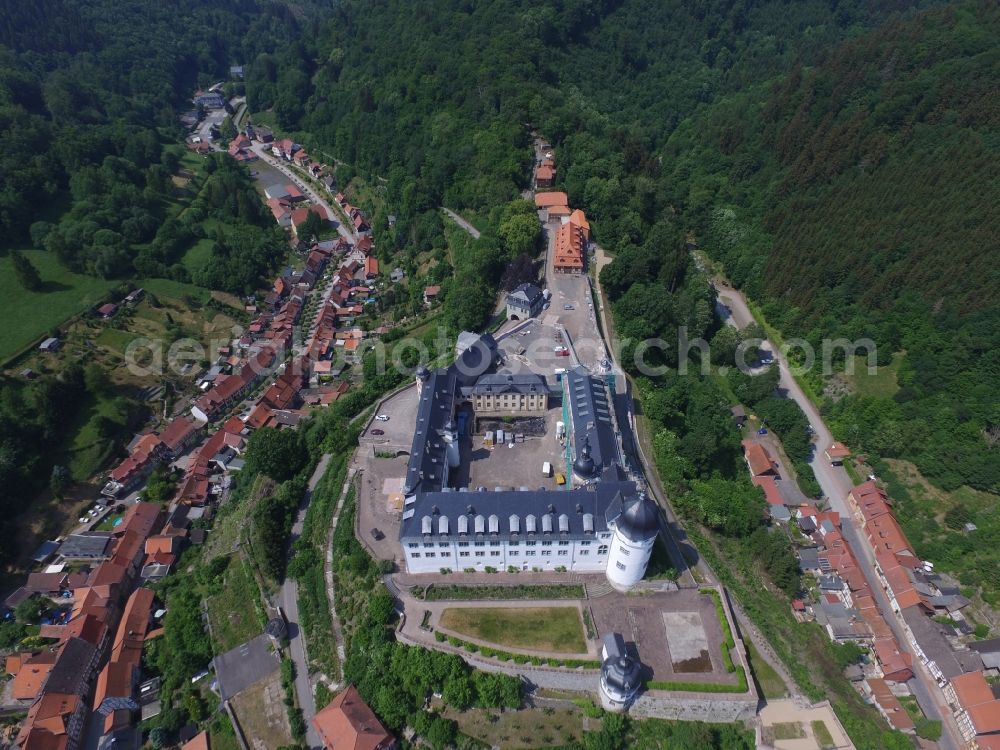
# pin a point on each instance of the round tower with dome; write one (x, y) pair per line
(635, 532)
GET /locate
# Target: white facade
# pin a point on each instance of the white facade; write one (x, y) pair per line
(627, 560)
(585, 555)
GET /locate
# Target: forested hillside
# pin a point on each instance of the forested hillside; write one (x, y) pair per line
(81, 83)
(859, 198)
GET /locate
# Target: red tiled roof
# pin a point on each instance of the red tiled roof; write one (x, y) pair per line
(758, 459)
(349, 724)
(554, 198)
(770, 488)
(896, 664)
(890, 705)
(198, 742)
(178, 431)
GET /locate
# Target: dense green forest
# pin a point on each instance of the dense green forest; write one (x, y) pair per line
(834, 169)
(837, 157)
(89, 95)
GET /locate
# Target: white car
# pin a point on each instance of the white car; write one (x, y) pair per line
(82, 520)
(382, 418)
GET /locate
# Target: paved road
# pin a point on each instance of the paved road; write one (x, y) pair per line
(836, 483)
(290, 605)
(462, 223)
(344, 230)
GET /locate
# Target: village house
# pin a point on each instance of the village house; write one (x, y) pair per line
(524, 302)
(348, 722)
(431, 294)
(545, 175)
(230, 388)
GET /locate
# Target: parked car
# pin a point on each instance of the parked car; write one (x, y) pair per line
(762, 431)
(382, 417)
(378, 432)
(568, 307)
(377, 535)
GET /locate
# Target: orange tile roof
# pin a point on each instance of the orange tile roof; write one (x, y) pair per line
(890, 705)
(838, 450)
(579, 219)
(545, 172)
(971, 689)
(985, 717)
(349, 724)
(198, 742)
(141, 518)
(160, 543)
(554, 198)
(770, 487)
(47, 716)
(569, 248)
(27, 684)
(758, 458)
(896, 664)
(115, 680)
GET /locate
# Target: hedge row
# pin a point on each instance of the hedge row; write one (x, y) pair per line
(728, 642)
(500, 655)
(700, 687)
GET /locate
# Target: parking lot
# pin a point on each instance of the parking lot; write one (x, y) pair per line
(573, 291)
(512, 467)
(397, 431)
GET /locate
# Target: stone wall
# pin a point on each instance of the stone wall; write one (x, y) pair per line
(695, 706)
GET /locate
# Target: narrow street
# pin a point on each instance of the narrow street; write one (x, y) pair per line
(836, 483)
(263, 151)
(290, 605)
(462, 223)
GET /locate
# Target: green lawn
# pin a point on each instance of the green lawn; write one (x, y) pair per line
(771, 684)
(198, 254)
(175, 289)
(822, 734)
(87, 451)
(787, 730)
(235, 611)
(31, 315)
(882, 384)
(555, 629)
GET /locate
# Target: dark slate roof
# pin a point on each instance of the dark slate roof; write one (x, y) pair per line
(244, 665)
(509, 383)
(790, 493)
(69, 671)
(425, 471)
(929, 636)
(527, 294)
(91, 545)
(591, 415)
(809, 558)
(476, 355)
(619, 670)
(572, 514)
(991, 646)
(635, 516)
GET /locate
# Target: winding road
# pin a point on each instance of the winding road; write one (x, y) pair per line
(836, 483)
(289, 596)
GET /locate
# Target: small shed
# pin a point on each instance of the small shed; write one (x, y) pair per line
(50, 344)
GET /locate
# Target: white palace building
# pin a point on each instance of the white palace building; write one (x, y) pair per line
(605, 525)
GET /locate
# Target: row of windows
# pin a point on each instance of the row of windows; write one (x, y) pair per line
(602, 550)
(430, 545)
